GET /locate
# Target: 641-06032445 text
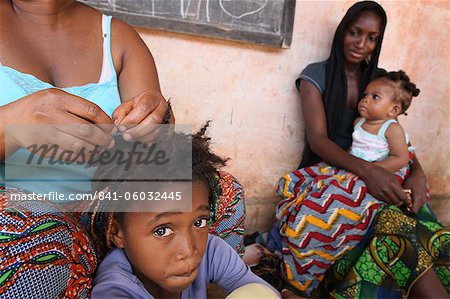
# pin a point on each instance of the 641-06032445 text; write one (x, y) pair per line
(140, 195)
(137, 195)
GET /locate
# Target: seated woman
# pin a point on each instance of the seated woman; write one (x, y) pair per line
(398, 254)
(68, 69)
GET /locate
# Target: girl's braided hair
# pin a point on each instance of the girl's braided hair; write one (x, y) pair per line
(404, 89)
(205, 166)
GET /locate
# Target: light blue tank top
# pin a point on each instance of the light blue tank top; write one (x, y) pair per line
(43, 177)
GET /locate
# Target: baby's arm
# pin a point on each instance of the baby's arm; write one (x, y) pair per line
(351, 176)
(398, 149)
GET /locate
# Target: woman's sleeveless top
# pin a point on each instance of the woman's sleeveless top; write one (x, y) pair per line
(43, 177)
(315, 74)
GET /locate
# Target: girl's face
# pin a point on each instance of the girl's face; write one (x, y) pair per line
(361, 37)
(378, 102)
(165, 249)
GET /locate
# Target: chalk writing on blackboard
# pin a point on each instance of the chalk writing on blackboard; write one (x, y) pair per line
(267, 22)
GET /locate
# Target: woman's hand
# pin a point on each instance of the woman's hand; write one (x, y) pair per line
(384, 185)
(140, 116)
(55, 117)
(417, 183)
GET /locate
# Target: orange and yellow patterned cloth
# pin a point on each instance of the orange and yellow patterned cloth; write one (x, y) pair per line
(324, 214)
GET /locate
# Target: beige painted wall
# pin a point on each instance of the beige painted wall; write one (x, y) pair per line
(248, 91)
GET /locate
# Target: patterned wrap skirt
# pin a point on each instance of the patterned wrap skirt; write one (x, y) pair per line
(324, 216)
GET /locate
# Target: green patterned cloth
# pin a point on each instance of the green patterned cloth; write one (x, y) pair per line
(395, 254)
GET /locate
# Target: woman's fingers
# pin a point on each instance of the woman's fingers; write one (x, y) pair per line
(384, 186)
(88, 136)
(418, 198)
(82, 108)
(89, 124)
(67, 148)
(143, 131)
(140, 117)
(75, 142)
(418, 186)
(54, 106)
(59, 125)
(121, 112)
(84, 131)
(149, 105)
(398, 195)
(389, 197)
(416, 206)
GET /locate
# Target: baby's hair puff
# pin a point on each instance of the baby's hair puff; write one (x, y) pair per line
(404, 89)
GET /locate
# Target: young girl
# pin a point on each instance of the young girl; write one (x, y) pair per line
(170, 254)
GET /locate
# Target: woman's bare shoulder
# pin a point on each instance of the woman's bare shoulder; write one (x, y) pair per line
(87, 11)
(4, 4)
(126, 42)
(123, 32)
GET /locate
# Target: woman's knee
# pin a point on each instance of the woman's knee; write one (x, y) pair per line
(229, 218)
(41, 245)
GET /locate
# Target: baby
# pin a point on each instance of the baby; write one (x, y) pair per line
(377, 136)
(170, 254)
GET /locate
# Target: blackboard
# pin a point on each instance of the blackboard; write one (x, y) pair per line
(265, 22)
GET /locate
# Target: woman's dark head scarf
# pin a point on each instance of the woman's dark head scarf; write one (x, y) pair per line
(335, 93)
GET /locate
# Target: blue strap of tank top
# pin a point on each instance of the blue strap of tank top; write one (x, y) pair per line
(382, 130)
(360, 123)
(108, 36)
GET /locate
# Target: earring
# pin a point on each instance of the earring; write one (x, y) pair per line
(368, 59)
